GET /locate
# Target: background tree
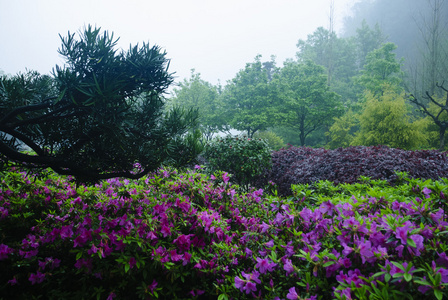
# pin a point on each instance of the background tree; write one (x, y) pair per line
(433, 61)
(98, 115)
(250, 98)
(367, 40)
(385, 120)
(307, 104)
(199, 94)
(337, 56)
(381, 70)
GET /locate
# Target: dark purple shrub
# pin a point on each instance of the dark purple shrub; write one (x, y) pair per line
(345, 165)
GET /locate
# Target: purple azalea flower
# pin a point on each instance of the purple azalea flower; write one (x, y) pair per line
(364, 248)
(4, 251)
(426, 192)
(246, 285)
(418, 240)
(288, 267)
(264, 227)
(13, 281)
(401, 233)
(292, 294)
(152, 286)
(37, 278)
(183, 242)
(270, 244)
(265, 264)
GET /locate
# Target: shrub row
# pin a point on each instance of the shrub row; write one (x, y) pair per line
(184, 236)
(303, 165)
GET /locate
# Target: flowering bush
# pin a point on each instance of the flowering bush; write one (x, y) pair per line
(184, 236)
(303, 165)
(243, 157)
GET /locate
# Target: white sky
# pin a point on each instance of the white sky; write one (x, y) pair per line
(216, 38)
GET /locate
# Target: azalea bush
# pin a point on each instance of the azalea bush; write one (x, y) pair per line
(244, 158)
(304, 165)
(174, 235)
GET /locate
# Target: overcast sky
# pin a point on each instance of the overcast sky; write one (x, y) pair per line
(216, 38)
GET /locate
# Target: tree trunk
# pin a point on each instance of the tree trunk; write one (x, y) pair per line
(442, 137)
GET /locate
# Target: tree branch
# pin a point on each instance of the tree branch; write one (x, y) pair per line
(27, 108)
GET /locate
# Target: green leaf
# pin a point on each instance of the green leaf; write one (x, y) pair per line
(407, 277)
(438, 294)
(328, 263)
(411, 243)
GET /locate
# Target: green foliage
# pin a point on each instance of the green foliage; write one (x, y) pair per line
(244, 158)
(274, 141)
(381, 70)
(307, 103)
(385, 121)
(201, 95)
(250, 98)
(341, 132)
(98, 115)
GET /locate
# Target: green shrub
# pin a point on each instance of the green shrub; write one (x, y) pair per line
(274, 141)
(242, 157)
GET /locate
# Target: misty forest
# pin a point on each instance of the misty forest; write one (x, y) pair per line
(321, 177)
(382, 81)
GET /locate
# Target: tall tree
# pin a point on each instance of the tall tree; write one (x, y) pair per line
(337, 56)
(199, 94)
(98, 115)
(381, 70)
(433, 28)
(250, 97)
(367, 40)
(307, 102)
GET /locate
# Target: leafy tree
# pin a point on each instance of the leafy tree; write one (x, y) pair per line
(250, 98)
(367, 40)
(337, 55)
(307, 102)
(385, 120)
(97, 116)
(437, 110)
(381, 70)
(201, 95)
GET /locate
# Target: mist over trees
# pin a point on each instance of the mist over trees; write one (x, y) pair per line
(351, 88)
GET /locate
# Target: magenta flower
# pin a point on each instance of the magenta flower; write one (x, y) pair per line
(401, 233)
(183, 242)
(4, 251)
(288, 267)
(225, 177)
(265, 264)
(426, 192)
(152, 286)
(292, 295)
(13, 281)
(418, 240)
(249, 283)
(37, 278)
(166, 230)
